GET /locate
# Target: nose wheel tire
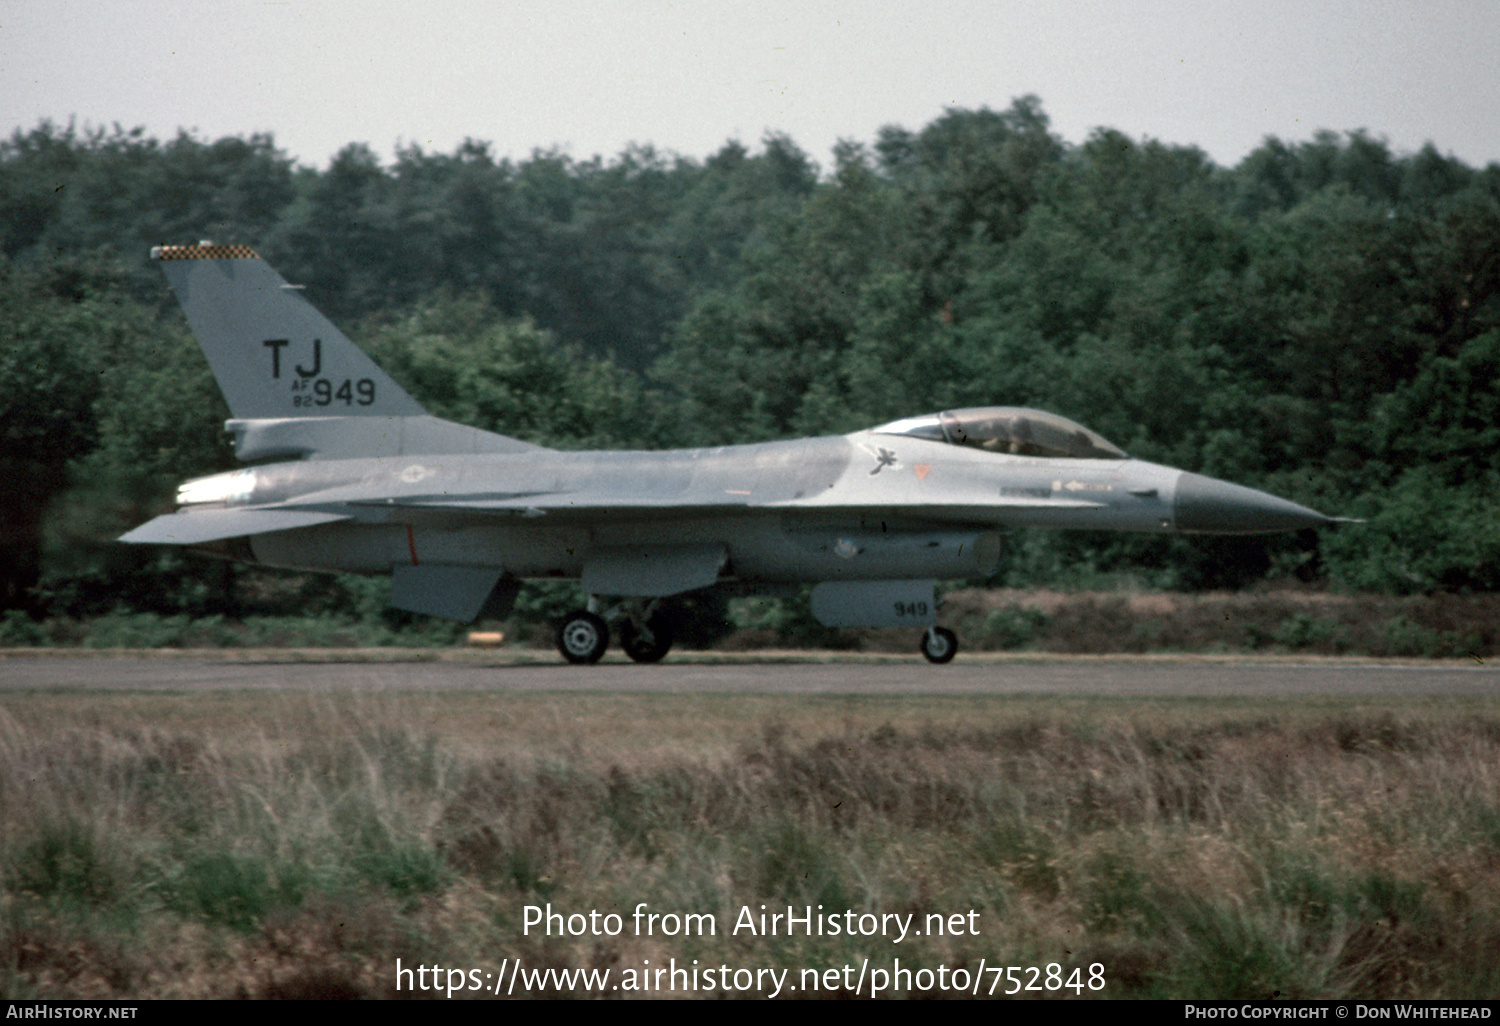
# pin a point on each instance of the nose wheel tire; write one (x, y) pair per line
(648, 644)
(582, 638)
(939, 645)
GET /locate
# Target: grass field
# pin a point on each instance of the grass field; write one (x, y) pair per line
(230, 844)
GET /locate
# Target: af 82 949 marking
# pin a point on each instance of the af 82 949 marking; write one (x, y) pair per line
(323, 393)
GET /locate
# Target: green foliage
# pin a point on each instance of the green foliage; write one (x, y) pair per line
(790, 620)
(225, 888)
(1121, 896)
(465, 363)
(124, 629)
(1232, 954)
(68, 863)
(1322, 321)
(1422, 534)
(546, 601)
(119, 191)
(1009, 628)
(1403, 637)
(1303, 631)
(796, 866)
(403, 868)
(18, 630)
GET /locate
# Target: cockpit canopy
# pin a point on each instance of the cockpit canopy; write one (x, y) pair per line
(1008, 429)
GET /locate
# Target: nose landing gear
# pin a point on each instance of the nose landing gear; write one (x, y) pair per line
(939, 645)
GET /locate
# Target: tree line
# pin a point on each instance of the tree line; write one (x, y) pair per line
(1322, 320)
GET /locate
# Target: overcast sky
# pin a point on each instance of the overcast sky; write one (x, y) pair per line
(592, 77)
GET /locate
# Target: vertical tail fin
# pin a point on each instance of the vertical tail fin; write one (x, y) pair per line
(273, 354)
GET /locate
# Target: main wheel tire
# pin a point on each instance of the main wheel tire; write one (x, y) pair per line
(939, 645)
(582, 638)
(644, 648)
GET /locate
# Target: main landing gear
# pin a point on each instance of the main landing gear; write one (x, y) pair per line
(582, 637)
(647, 641)
(645, 633)
(939, 645)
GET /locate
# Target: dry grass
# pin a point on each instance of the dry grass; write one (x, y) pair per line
(296, 846)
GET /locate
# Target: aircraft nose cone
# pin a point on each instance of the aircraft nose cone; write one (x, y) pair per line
(1210, 506)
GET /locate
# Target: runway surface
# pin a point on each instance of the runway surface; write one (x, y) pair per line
(1062, 677)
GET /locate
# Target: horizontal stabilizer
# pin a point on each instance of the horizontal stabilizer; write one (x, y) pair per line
(218, 524)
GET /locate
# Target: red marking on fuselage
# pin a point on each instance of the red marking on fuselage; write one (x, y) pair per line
(411, 543)
(922, 469)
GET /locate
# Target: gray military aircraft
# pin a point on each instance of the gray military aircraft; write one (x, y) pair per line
(360, 478)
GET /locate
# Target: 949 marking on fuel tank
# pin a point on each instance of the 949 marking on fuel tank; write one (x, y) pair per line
(910, 608)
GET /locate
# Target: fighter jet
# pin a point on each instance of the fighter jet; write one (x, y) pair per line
(351, 474)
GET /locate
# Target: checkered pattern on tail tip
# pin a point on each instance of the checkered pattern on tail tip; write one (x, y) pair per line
(204, 253)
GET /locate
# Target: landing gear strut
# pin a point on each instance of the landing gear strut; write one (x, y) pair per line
(645, 633)
(939, 645)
